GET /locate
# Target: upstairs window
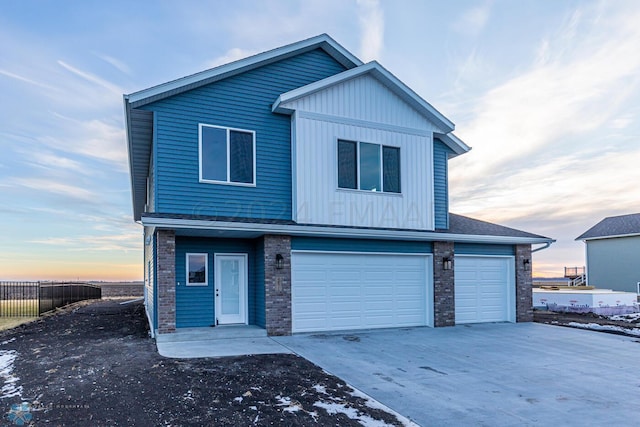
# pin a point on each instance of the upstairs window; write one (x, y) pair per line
(227, 155)
(368, 167)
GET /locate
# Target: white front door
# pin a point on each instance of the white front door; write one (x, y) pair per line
(231, 289)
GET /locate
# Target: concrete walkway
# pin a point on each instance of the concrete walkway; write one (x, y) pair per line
(489, 374)
(221, 341)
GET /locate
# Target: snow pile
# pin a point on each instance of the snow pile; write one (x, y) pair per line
(631, 317)
(10, 387)
(597, 327)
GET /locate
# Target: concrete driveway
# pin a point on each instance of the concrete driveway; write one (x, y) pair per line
(488, 374)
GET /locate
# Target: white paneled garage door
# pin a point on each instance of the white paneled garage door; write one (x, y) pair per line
(339, 291)
(484, 289)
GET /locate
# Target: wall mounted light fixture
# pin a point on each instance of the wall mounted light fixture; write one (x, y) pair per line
(447, 263)
(526, 263)
(279, 261)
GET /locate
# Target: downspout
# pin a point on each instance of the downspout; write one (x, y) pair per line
(545, 246)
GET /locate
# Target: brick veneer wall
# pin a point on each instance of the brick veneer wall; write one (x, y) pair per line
(443, 286)
(524, 297)
(166, 271)
(277, 285)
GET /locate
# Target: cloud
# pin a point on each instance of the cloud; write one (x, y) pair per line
(108, 242)
(231, 55)
(116, 63)
(371, 19)
(93, 138)
(93, 78)
(25, 79)
(553, 103)
(44, 185)
(473, 20)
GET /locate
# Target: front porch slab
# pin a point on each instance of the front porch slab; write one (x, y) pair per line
(221, 341)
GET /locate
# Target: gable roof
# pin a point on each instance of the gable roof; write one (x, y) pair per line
(391, 82)
(139, 123)
(614, 226)
(174, 87)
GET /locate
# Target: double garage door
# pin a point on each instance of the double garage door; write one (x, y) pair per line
(484, 289)
(341, 291)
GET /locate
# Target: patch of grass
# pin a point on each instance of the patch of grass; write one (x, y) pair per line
(15, 308)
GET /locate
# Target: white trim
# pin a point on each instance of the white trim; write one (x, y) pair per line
(511, 285)
(244, 304)
(294, 168)
(453, 142)
(315, 251)
(323, 41)
(361, 123)
(315, 230)
(206, 269)
(383, 76)
(615, 236)
(228, 135)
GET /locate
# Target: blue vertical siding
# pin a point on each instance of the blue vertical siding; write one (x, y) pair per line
(195, 305)
(441, 184)
(483, 249)
(243, 101)
(359, 245)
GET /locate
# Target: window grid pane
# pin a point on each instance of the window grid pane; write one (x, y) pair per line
(391, 169)
(241, 156)
(347, 165)
(370, 167)
(214, 153)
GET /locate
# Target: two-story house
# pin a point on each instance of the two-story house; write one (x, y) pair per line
(301, 190)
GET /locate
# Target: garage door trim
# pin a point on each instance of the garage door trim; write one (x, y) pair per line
(511, 288)
(428, 280)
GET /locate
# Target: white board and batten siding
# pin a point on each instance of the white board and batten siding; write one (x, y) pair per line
(362, 110)
(484, 289)
(344, 291)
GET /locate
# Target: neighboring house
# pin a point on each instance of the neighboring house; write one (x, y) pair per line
(302, 190)
(613, 253)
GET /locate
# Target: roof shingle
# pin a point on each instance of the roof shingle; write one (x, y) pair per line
(613, 226)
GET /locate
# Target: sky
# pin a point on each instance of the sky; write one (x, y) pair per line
(546, 92)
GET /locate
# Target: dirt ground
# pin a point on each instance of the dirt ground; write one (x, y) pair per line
(93, 364)
(564, 319)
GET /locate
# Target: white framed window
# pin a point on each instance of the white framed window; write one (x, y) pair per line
(197, 268)
(369, 167)
(227, 155)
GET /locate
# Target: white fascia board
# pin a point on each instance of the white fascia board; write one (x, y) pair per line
(324, 41)
(383, 76)
(319, 231)
(456, 144)
(617, 236)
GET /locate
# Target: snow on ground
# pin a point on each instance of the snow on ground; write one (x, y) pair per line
(374, 404)
(597, 327)
(10, 388)
(631, 317)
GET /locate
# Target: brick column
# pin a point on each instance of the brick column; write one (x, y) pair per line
(277, 285)
(524, 297)
(166, 271)
(444, 305)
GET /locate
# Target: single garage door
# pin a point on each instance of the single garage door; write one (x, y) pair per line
(484, 289)
(338, 291)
